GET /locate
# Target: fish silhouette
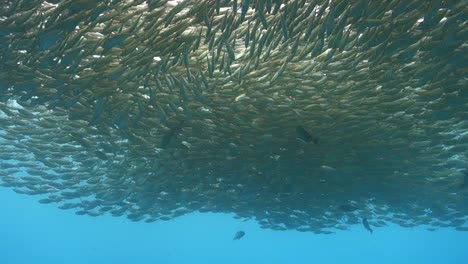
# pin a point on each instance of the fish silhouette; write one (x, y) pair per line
(166, 139)
(465, 179)
(239, 235)
(305, 136)
(347, 208)
(366, 224)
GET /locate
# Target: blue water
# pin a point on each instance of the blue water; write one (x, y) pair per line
(35, 233)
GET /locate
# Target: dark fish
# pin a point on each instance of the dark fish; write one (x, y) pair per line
(303, 135)
(166, 139)
(81, 141)
(239, 235)
(347, 208)
(465, 179)
(366, 224)
(100, 155)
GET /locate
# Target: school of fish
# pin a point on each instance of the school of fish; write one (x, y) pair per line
(301, 114)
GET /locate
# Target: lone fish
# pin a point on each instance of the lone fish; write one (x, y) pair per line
(366, 224)
(304, 136)
(347, 208)
(239, 235)
(465, 179)
(166, 139)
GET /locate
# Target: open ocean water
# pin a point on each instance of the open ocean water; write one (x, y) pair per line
(243, 131)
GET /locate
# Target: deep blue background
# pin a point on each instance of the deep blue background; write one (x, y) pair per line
(35, 233)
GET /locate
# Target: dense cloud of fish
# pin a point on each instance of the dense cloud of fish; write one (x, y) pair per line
(306, 115)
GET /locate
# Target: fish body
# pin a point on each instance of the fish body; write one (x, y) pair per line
(366, 225)
(305, 136)
(347, 208)
(239, 235)
(166, 139)
(465, 178)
